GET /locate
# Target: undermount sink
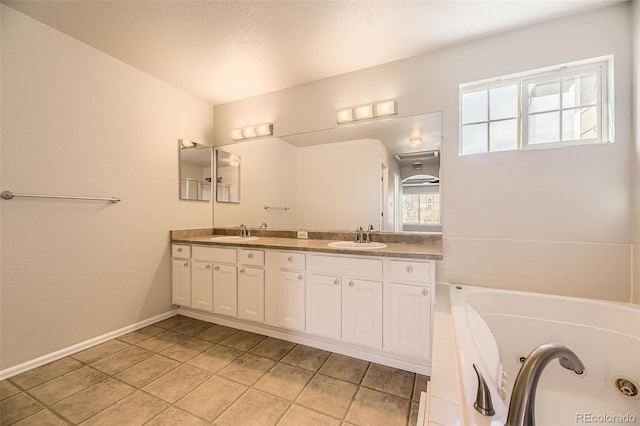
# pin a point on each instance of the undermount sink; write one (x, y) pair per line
(233, 239)
(352, 245)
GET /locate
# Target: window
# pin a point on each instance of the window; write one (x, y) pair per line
(567, 105)
(421, 209)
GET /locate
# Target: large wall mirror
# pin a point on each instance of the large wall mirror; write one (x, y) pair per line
(227, 177)
(382, 172)
(195, 170)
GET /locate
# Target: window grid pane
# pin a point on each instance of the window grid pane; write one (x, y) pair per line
(421, 209)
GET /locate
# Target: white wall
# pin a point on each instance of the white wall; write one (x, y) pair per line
(78, 122)
(267, 178)
(635, 157)
(573, 202)
(339, 185)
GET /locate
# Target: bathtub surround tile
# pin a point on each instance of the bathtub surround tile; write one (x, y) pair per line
(177, 383)
(298, 415)
(328, 395)
(92, 400)
(162, 341)
(374, 408)
(247, 369)
(445, 389)
(7, 389)
(216, 333)
(100, 351)
(121, 360)
(215, 359)
(272, 348)
(147, 371)
(306, 357)
(134, 410)
(345, 368)
(443, 370)
(265, 410)
(141, 335)
(211, 398)
(64, 386)
(389, 380)
(174, 322)
(174, 417)
(444, 412)
(285, 381)
(18, 407)
(39, 375)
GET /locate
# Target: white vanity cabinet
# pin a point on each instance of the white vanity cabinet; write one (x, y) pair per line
(201, 285)
(181, 274)
(324, 306)
(290, 290)
(251, 281)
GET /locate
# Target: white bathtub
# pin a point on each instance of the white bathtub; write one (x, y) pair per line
(604, 335)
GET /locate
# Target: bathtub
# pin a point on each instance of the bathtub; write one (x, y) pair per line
(495, 328)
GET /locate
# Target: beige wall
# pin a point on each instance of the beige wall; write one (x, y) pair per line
(78, 122)
(552, 198)
(635, 157)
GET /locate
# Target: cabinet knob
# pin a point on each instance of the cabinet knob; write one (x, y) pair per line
(186, 263)
(425, 292)
(179, 249)
(242, 271)
(208, 266)
(290, 258)
(250, 256)
(350, 283)
(217, 268)
(409, 269)
(336, 281)
(300, 277)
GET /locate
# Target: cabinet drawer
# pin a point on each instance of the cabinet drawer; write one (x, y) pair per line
(411, 272)
(337, 265)
(295, 261)
(214, 254)
(181, 251)
(251, 257)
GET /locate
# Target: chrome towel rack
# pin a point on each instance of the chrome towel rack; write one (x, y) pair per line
(275, 208)
(8, 195)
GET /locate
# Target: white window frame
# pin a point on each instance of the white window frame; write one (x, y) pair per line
(602, 67)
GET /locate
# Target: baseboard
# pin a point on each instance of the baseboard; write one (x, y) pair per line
(54, 356)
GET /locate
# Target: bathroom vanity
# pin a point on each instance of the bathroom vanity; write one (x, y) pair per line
(374, 304)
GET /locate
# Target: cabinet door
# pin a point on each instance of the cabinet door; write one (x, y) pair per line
(408, 320)
(251, 294)
(181, 282)
(291, 300)
(201, 286)
(324, 305)
(225, 296)
(362, 312)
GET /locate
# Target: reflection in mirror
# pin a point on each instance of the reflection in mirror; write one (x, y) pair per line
(195, 170)
(227, 177)
(335, 179)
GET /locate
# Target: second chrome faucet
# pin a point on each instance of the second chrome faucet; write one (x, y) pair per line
(363, 236)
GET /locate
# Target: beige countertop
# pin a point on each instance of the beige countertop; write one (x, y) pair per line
(430, 249)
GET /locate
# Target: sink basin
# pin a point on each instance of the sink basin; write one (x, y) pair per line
(352, 245)
(233, 239)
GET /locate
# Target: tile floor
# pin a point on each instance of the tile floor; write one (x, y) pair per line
(185, 372)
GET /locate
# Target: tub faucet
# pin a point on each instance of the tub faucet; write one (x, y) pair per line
(522, 404)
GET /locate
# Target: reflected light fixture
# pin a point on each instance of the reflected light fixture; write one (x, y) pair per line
(415, 142)
(234, 162)
(265, 129)
(366, 112)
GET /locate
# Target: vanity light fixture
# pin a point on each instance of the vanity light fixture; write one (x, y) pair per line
(186, 143)
(265, 129)
(366, 112)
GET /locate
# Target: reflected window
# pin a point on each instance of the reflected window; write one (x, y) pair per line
(421, 203)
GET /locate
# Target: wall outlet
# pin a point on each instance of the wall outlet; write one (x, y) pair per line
(303, 234)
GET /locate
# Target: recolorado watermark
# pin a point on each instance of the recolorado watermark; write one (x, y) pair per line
(591, 418)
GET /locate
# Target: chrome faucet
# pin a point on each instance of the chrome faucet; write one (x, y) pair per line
(367, 236)
(263, 226)
(243, 230)
(522, 404)
(359, 235)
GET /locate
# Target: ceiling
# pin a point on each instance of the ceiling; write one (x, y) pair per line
(222, 51)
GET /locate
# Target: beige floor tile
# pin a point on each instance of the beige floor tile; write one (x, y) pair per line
(389, 380)
(285, 381)
(134, 410)
(216, 333)
(141, 334)
(100, 351)
(39, 375)
(345, 368)
(419, 386)
(163, 341)
(173, 322)
(122, 360)
(243, 340)
(413, 416)
(211, 398)
(187, 349)
(193, 327)
(328, 395)
(298, 415)
(92, 400)
(254, 408)
(374, 408)
(215, 359)
(174, 417)
(147, 371)
(306, 357)
(64, 386)
(177, 383)
(42, 418)
(7, 389)
(272, 348)
(17, 407)
(247, 369)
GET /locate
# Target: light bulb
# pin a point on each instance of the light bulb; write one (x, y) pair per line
(344, 116)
